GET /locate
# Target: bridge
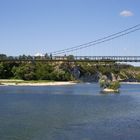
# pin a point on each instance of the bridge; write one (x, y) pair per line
(76, 59)
(98, 58)
(62, 55)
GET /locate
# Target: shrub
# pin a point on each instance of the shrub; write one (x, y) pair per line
(114, 85)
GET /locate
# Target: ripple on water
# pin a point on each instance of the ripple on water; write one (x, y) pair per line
(69, 113)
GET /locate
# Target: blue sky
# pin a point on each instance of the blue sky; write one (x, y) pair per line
(41, 26)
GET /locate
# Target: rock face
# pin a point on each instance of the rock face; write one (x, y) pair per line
(91, 73)
(75, 71)
(88, 77)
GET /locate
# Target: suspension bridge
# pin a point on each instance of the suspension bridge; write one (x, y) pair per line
(61, 55)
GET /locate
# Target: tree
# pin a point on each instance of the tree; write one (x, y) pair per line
(3, 56)
(23, 57)
(43, 71)
(70, 57)
(25, 72)
(1, 71)
(47, 56)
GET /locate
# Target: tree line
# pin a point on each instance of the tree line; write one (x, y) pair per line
(62, 71)
(35, 71)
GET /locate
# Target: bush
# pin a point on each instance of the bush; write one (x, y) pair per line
(104, 83)
(114, 85)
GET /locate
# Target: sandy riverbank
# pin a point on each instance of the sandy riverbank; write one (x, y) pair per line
(22, 83)
(132, 83)
(7, 82)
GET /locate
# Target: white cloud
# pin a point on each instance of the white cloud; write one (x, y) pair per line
(126, 13)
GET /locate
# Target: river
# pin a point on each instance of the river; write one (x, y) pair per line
(72, 112)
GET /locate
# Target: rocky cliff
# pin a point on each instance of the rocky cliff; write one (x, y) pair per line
(124, 73)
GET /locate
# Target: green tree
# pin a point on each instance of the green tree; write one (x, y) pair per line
(70, 57)
(43, 71)
(25, 72)
(3, 56)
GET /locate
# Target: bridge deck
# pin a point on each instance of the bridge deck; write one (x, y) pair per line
(79, 59)
(101, 58)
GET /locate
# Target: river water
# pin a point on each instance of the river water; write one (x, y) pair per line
(72, 112)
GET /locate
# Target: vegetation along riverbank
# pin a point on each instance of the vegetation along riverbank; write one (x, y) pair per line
(67, 71)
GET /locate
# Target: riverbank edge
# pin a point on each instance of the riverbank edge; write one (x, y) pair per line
(131, 83)
(13, 82)
(35, 83)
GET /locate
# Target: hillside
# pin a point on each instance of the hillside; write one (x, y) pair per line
(68, 71)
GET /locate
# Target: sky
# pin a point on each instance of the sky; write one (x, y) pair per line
(42, 26)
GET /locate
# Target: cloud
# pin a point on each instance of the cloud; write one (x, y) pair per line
(126, 13)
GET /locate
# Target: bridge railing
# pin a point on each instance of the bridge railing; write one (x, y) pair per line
(76, 58)
(108, 58)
